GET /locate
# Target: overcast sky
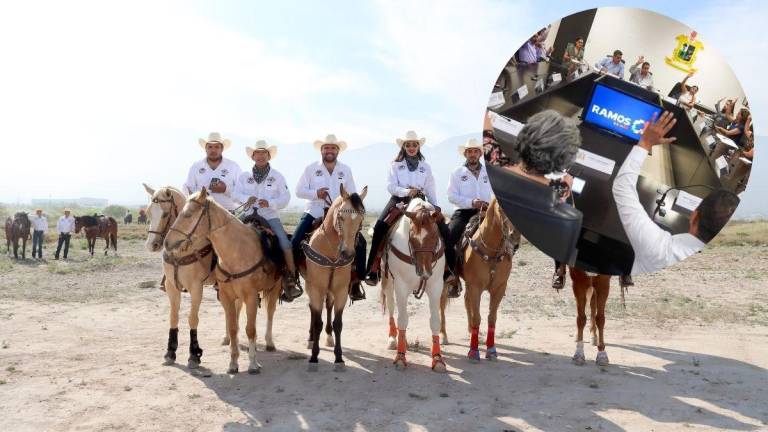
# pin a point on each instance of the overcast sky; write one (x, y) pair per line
(97, 98)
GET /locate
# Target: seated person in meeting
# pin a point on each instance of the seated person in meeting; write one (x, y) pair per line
(687, 96)
(736, 128)
(532, 51)
(612, 65)
(640, 74)
(574, 51)
(654, 247)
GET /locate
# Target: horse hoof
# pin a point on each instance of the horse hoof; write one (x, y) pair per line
(400, 362)
(473, 356)
(193, 363)
(340, 367)
(254, 370)
(169, 358)
(313, 367)
(225, 341)
(438, 365)
(232, 370)
(578, 359)
(329, 342)
(491, 354)
(270, 348)
(602, 359)
(392, 344)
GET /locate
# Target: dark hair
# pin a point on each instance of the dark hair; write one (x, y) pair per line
(579, 39)
(548, 142)
(401, 154)
(714, 212)
(646, 64)
(618, 52)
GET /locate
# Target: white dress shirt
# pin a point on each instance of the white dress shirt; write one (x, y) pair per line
(315, 177)
(687, 98)
(401, 179)
(201, 174)
(66, 225)
(636, 77)
(654, 248)
(39, 223)
(463, 187)
(272, 188)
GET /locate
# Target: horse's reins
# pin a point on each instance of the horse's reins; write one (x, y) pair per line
(499, 254)
(173, 214)
(436, 251)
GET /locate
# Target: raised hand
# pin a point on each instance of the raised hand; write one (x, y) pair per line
(654, 131)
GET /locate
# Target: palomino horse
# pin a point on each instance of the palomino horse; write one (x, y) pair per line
(595, 289)
(487, 265)
(187, 272)
(243, 269)
(17, 229)
(95, 227)
(415, 261)
(330, 252)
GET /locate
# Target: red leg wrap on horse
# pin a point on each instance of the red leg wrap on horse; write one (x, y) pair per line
(435, 345)
(392, 327)
(473, 338)
(401, 345)
(489, 342)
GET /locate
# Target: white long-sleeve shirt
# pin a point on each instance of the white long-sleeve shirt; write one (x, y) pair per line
(200, 174)
(400, 179)
(654, 248)
(636, 77)
(66, 225)
(464, 187)
(315, 177)
(39, 223)
(273, 189)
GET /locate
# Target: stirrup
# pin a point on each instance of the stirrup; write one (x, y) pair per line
(454, 287)
(558, 281)
(362, 292)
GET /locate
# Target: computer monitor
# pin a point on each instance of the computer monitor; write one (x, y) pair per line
(618, 112)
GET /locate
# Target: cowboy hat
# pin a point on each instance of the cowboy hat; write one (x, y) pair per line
(66, 210)
(470, 144)
(214, 137)
(331, 139)
(410, 136)
(261, 145)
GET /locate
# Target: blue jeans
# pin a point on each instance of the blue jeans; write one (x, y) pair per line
(282, 237)
(305, 223)
(37, 243)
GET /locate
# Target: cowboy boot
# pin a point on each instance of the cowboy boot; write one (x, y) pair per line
(558, 278)
(290, 286)
(379, 231)
(454, 285)
(356, 291)
(626, 281)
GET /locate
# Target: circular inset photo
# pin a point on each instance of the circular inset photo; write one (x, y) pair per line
(618, 149)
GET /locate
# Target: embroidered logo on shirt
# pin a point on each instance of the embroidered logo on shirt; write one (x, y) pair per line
(401, 167)
(464, 178)
(224, 172)
(201, 170)
(318, 173)
(485, 179)
(270, 180)
(341, 175)
(251, 180)
(422, 170)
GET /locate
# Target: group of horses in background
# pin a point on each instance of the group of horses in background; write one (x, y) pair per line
(17, 229)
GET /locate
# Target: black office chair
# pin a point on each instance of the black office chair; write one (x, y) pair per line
(536, 211)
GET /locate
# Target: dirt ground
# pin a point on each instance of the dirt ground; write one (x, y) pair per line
(83, 340)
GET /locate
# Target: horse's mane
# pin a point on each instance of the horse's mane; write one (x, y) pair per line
(22, 216)
(418, 201)
(357, 202)
(89, 220)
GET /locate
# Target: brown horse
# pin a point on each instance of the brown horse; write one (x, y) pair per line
(95, 227)
(17, 229)
(595, 289)
(243, 270)
(330, 252)
(487, 266)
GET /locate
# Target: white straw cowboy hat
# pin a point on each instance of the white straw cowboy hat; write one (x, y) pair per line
(470, 144)
(214, 137)
(410, 136)
(261, 145)
(331, 139)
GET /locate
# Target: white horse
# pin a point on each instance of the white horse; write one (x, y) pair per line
(414, 263)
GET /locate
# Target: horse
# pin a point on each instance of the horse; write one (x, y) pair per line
(595, 289)
(17, 229)
(487, 263)
(186, 272)
(128, 219)
(142, 219)
(95, 227)
(243, 269)
(329, 252)
(414, 262)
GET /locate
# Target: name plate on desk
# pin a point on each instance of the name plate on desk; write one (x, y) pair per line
(686, 202)
(508, 125)
(556, 78)
(578, 185)
(496, 100)
(710, 140)
(522, 91)
(727, 141)
(595, 161)
(671, 100)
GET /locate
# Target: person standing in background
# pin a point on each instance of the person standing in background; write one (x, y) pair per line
(64, 227)
(39, 227)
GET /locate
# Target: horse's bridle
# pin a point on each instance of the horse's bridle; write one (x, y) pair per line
(204, 211)
(436, 252)
(338, 228)
(172, 215)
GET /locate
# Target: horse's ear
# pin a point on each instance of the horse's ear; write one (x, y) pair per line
(410, 215)
(203, 193)
(363, 193)
(436, 215)
(343, 192)
(149, 190)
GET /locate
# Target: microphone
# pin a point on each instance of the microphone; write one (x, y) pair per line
(660, 203)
